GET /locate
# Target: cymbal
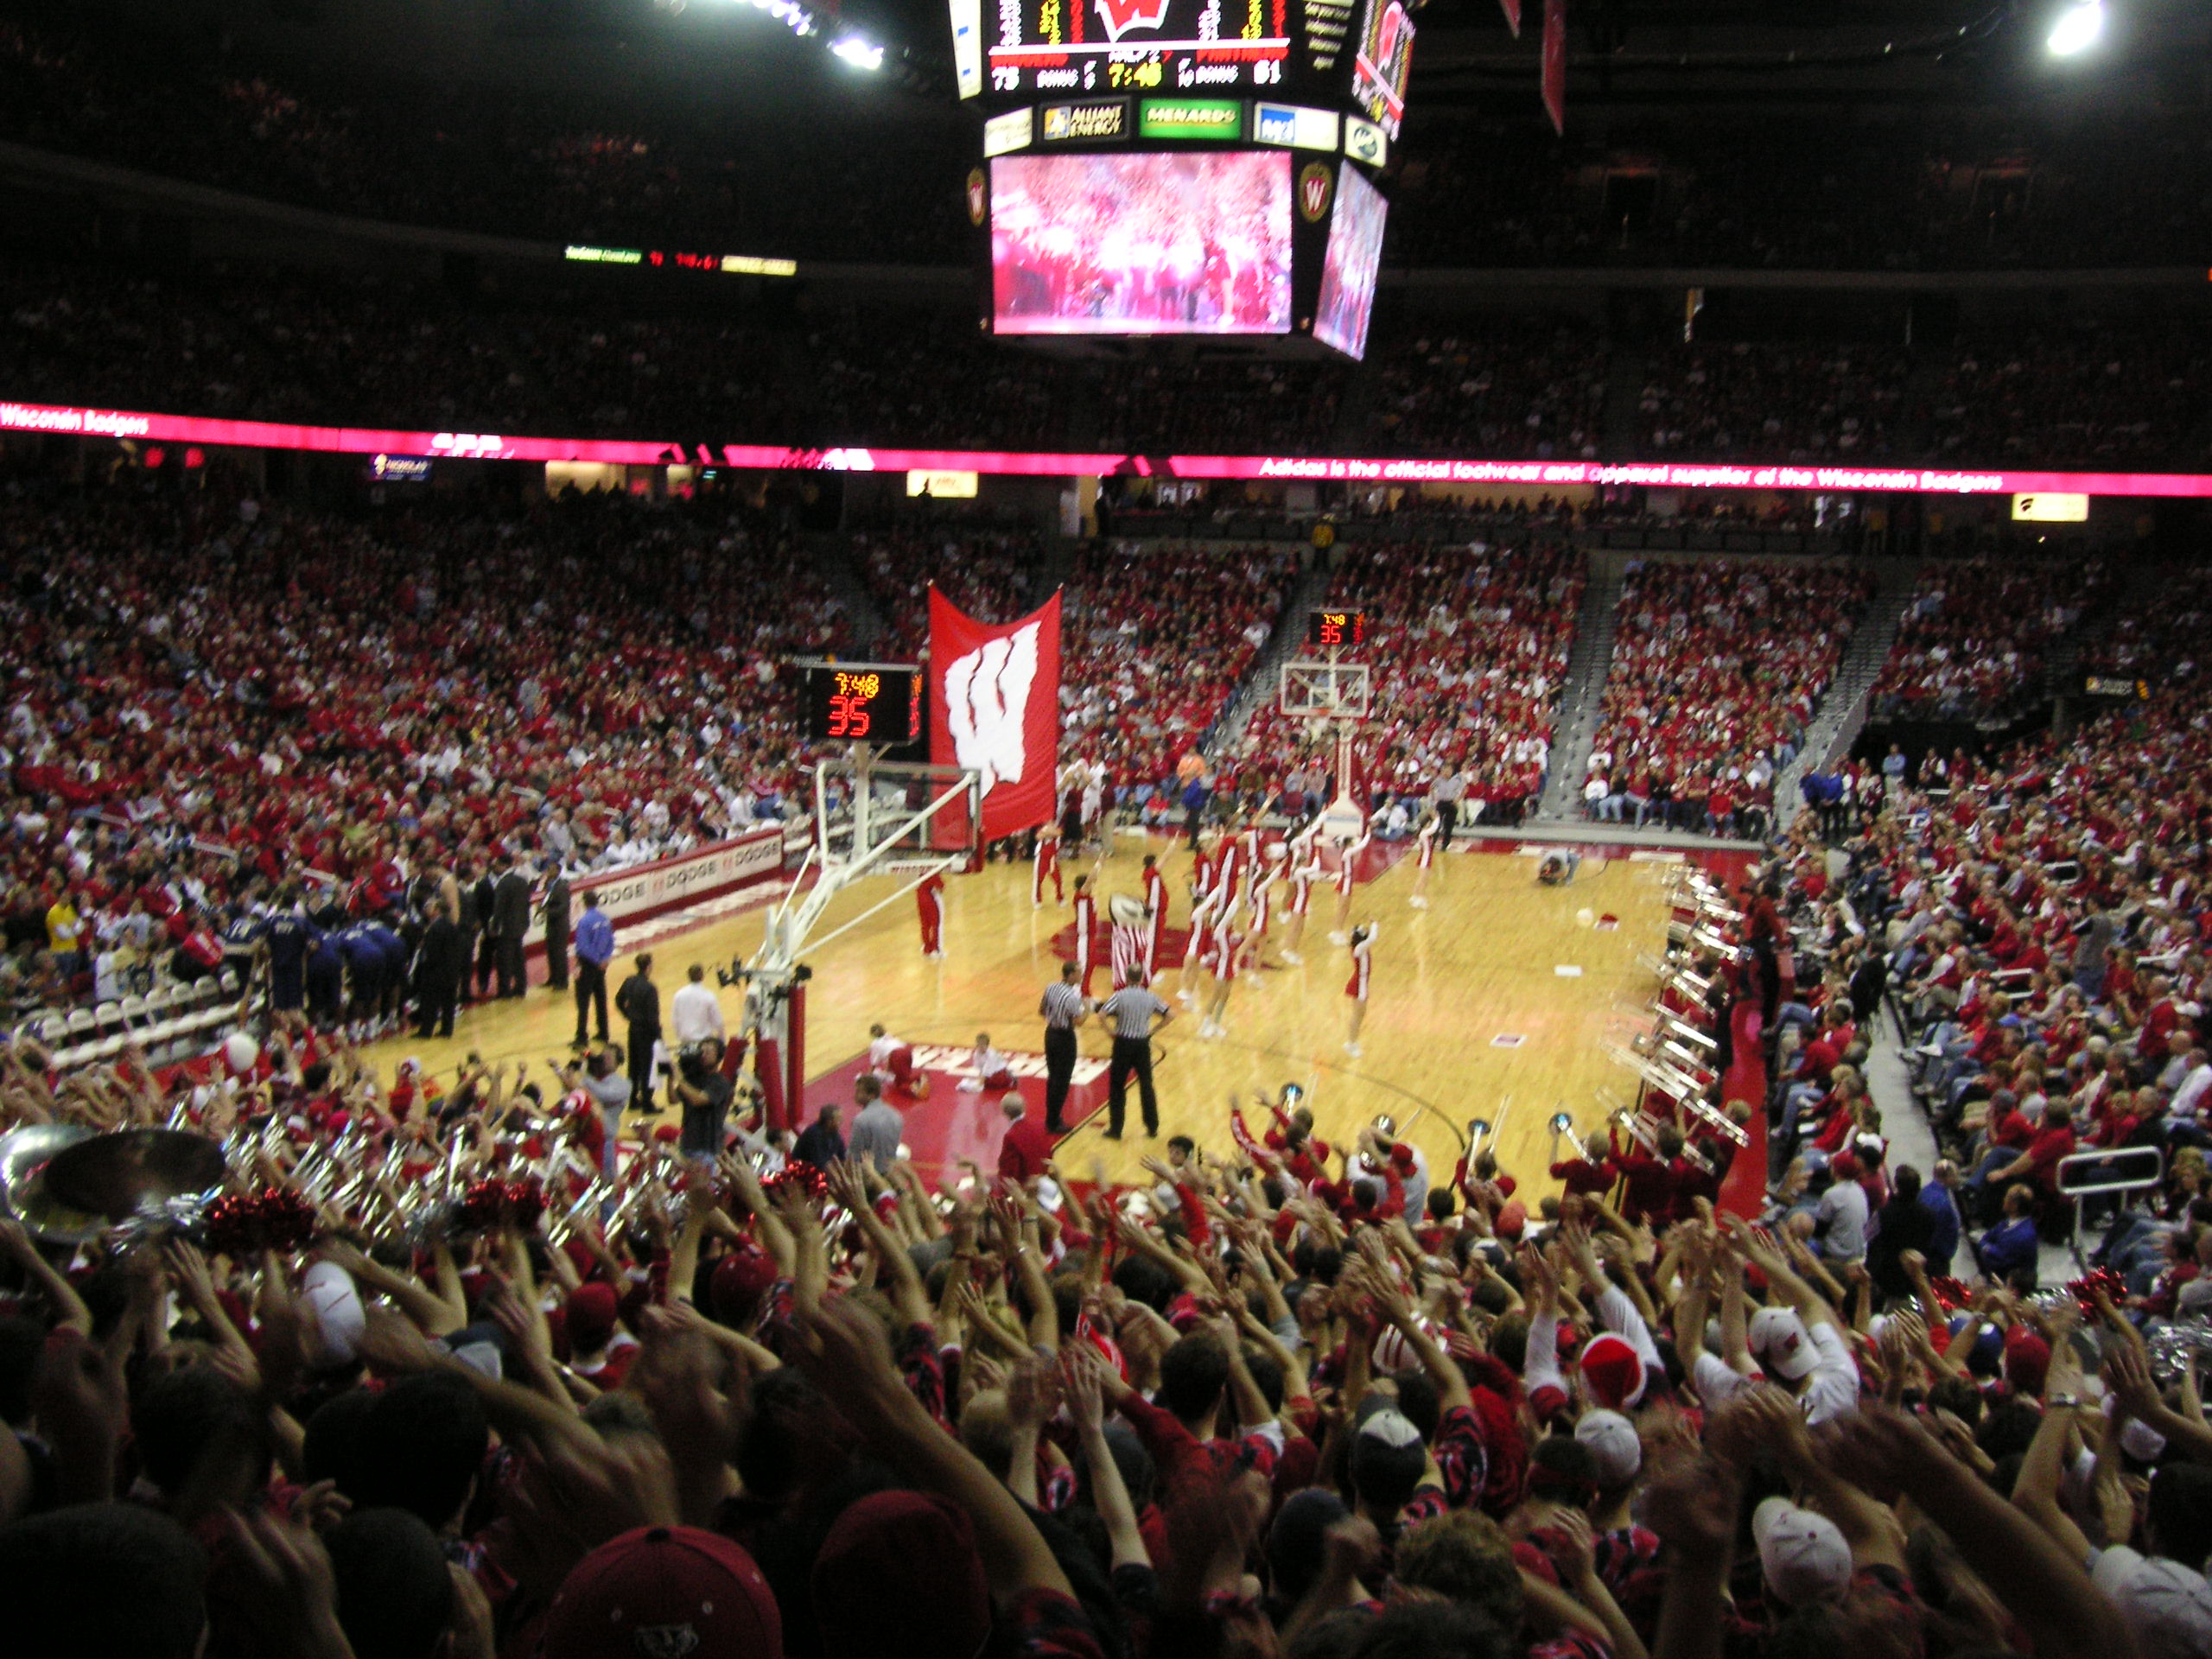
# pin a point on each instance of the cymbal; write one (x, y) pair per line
(23, 1156)
(113, 1174)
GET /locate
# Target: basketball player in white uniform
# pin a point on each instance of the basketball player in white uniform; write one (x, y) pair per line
(1425, 856)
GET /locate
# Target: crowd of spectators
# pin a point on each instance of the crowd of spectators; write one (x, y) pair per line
(349, 349)
(986, 573)
(1154, 643)
(215, 699)
(1792, 402)
(1467, 650)
(2098, 398)
(1971, 643)
(2036, 918)
(1815, 191)
(1534, 389)
(2158, 637)
(1285, 1397)
(614, 171)
(1718, 668)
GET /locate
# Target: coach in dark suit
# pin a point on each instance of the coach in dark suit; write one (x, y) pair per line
(638, 1003)
(554, 907)
(510, 925)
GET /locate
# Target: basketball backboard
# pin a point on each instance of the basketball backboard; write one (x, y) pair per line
(1313, 690)
(902, 814)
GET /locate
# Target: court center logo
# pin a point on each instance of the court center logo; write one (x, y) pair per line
(1120, 15)
(987, 703)
(1316, 183)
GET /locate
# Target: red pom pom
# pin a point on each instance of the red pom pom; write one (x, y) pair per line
(526, 1204)
(233, 1224)
(2104, 1279)
(287, 1218)
(1950, 1294)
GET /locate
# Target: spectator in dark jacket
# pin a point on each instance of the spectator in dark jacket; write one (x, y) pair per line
(1899, 1225)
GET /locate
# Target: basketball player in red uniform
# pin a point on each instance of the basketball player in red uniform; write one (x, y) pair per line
(1425, 854)
(1086, 922)
(929, 904)
(1363, 968)
(1047, 868)
(1155, 912)
(1348, 852)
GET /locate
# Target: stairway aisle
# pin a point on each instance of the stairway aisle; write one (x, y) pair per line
(1586, 668)
(1259, 688)
(832, 554)
(1842, 714)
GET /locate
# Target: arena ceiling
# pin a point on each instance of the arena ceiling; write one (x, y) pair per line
(1693, 55)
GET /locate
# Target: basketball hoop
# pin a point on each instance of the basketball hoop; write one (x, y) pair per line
(1332, 692)
(871, 817)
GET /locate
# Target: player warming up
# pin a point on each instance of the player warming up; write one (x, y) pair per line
(1356, 988)
(1425, 856)
(1348, 854)
(1086, 924)
(993, 1070)
(929, 905)
(891, 1062)
(1046, 866)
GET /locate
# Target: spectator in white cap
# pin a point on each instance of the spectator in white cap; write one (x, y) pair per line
(1802, 1555)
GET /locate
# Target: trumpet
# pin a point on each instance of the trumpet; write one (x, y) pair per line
(1563, 1128)
(566, 1223)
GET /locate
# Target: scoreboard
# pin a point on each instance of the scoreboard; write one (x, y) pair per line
(1341, 50)
(869, 702)
(1155, 168)
(1334, 630)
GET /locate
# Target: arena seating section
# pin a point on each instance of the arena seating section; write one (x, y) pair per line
(1719, 666)
(1468, 647)
(1972, 643)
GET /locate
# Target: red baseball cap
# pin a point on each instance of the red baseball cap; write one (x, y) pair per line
(898, 1574)
(661, 1591)
(590, 1312)
(741, 1280)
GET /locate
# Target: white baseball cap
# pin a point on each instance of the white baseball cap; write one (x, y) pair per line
(335, 1303)
(1777, 1336)
(2167, 1606)
(1613, 1444)
(1803, 1554)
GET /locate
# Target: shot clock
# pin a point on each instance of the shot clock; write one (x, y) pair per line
(862, 702)
(1335, 630)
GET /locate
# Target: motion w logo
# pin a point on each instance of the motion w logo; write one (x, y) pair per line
(1120, 15)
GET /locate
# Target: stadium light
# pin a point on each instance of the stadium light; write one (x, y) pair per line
(859, 53)
(2077, 28)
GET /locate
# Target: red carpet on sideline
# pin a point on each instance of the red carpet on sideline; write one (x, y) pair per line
(1743, 1191)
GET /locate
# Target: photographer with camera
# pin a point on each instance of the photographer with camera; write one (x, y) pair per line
(704, 1095)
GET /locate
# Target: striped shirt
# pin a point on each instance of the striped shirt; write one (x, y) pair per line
(1131, 1009)
(1062, 1006)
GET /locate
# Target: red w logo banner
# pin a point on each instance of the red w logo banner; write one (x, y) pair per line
(1123, 15)
(994, 706)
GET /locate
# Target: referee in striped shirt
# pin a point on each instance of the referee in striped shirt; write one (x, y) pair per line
(1131, 1011)
(1065, 1007)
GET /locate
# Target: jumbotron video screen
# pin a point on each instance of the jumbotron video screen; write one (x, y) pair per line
(1164, 243)
(1354, 260)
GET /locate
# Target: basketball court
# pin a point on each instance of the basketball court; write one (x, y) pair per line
(1500, 1000)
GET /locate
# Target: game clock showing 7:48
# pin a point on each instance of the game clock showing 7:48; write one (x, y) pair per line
(862, 702)
(1330, 630)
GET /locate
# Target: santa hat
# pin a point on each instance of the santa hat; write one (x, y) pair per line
(1612, 1372)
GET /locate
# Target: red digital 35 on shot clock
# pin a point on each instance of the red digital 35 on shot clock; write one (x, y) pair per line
(1327, 629)
(862, 702)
